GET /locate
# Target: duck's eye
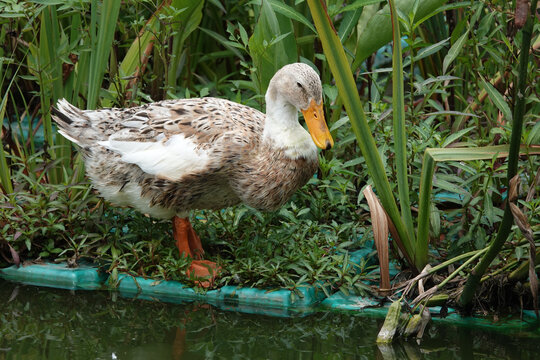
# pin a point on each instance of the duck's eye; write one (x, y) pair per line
(299, 85)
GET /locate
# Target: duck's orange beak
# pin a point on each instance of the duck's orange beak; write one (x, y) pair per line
(316, 124)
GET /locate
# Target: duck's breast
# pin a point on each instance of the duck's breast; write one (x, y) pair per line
(271, 178)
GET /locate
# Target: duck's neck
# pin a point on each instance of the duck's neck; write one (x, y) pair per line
(282, 129)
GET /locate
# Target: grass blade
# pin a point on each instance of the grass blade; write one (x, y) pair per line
(50, 76)
(5, 176)
(101, 46)
(479, 153)
(424, 203)
(400, 134)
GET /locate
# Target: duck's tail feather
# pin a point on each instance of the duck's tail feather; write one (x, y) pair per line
(73, 123)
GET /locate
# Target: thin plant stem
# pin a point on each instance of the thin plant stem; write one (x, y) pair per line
(456, 259)
(459, 269)
(425, 273)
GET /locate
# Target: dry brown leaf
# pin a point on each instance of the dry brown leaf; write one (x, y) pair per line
(14, 256)
(521, 13)
(425, 295)
(379, 224)
(513, 191)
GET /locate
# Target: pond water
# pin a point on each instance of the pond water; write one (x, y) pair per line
(44, 323)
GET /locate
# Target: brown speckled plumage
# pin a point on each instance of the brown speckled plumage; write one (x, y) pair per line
(228, 159)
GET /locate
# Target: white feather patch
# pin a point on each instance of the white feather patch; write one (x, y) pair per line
(171, 159)
(130, 195)
(133, 123)
(73, 140)
(95, 115)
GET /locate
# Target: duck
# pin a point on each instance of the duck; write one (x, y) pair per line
(168, 158)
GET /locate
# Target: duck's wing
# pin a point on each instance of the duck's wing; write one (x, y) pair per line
(171, 139)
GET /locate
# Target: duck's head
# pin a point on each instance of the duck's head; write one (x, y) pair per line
(299, 86)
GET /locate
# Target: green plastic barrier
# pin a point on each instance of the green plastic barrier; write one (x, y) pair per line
(84, 277)
(149, 289)
(302, 298)
(281, 303)
(228, 297)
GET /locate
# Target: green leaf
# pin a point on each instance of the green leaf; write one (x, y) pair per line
(243, 34)
(450, 112)
(359, 4)
(440, 9)
(520, 252)
(230, 45)
(534, 135)
(239, 215)
(435, 221)
(455, 136)
(278, 39)
(304, 211)
(353, 162)
(448, 186)
(291, 13)
(48, 2)
(339, 123)
(479, 153)
(431, 49)
(377, 30)
(497, 100)
(349, 22)
(454, 51)
(272, 45)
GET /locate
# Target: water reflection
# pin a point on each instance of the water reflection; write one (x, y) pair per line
(41, 323)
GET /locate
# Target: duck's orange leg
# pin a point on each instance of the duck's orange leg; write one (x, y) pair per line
(189, 244)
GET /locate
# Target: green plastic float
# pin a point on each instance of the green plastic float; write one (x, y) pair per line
(83, 277)
(280, 303)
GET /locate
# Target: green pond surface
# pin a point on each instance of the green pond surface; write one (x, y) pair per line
(45, 323)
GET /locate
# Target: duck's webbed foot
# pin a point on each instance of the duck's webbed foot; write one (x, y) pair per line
(189, 244)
